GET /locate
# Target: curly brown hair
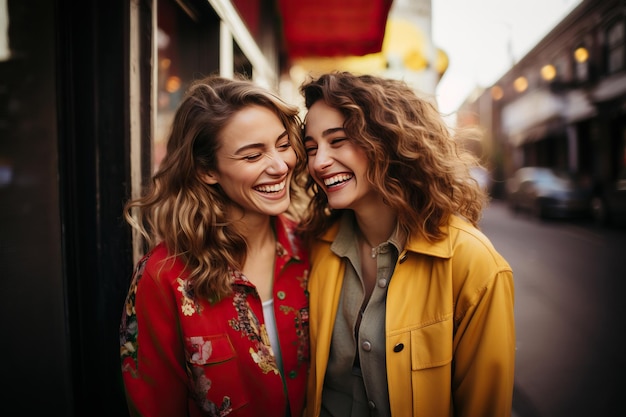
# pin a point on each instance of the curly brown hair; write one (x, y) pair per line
(416, 162)
(183, 211)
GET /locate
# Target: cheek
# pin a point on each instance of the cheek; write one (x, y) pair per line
(312, 173)
(360, 161)
(311, 168)
(290, 158)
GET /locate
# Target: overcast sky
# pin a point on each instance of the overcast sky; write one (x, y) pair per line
(476, 35)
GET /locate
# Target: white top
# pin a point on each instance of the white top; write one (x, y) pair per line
(270, 326)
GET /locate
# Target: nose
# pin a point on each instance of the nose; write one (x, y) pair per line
(321, 160)
(278, 164)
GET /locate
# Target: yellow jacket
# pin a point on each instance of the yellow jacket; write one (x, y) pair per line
(450, 331)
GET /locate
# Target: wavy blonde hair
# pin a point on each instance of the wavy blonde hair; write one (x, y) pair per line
(415, 161)
(184, 212)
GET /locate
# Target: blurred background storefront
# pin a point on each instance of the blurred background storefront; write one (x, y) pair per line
(87, 93)
(563, 105)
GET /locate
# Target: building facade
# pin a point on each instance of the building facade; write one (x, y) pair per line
(563, 105)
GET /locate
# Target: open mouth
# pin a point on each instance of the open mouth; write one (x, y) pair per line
(271, 188)
(337, 179)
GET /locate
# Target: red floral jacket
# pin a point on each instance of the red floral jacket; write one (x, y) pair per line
(183, 356)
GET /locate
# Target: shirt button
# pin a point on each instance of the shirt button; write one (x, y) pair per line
(367, 346)
(281, 295)
(398, 348)
(371, 405)
(293, 374)
(382, 283)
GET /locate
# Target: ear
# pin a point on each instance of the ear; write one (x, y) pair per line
(209, 178)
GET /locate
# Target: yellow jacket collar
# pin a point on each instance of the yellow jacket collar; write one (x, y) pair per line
(416, 243)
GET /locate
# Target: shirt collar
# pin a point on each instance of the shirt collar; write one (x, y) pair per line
(288, 247)
(287, 241)
(345, 240)
(342, 237)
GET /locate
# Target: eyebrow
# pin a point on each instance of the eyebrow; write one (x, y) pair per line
(258, 145)
(326, 132)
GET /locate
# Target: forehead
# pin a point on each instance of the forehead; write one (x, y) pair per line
(321, 117)
(252, 124)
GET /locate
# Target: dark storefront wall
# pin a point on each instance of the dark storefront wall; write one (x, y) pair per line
(65, 254)
(35, 344)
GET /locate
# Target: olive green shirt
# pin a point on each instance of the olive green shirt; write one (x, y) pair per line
(356, 380)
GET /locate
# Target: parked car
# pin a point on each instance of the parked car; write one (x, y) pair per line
(608, 205)
(548, 193)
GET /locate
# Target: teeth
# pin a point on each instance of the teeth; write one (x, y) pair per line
(337, 179)
(274, 188)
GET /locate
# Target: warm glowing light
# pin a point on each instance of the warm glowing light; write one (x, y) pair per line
(165, 63)
(581, 55)
(496, 92)
(520, 84)
(173, 84)
(548, 72)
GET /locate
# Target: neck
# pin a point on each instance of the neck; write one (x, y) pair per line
(370, 249)
(257, 230)
(376, 226)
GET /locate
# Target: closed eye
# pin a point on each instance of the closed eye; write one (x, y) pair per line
(337, 141)
(311, 150)
(284, 145)
(252, 157)
(311, 147)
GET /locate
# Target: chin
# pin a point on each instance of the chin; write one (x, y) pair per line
(278, 209)
(339, 205)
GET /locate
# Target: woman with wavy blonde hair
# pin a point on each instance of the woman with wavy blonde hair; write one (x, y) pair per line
(411, 306)
(216, 318)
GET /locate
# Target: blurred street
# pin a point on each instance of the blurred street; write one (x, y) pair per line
(569, 283)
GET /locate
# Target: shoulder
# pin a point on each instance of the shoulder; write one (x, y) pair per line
(160, 266)
(469, 243)
(476, 267)
(465, 246)
(478, 271)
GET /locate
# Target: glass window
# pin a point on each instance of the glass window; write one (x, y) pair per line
(187, 38)
(188, 48)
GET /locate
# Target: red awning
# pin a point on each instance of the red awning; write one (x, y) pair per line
(328, 28)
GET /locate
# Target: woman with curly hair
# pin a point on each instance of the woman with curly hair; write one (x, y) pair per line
(216, 318)
(411, 306)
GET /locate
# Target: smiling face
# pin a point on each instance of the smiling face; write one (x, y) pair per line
(255, 162)
(335, 162)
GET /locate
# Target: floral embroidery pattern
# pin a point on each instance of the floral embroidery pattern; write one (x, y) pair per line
(128, 326)
(202, 350)
(248, 324)
(304, 280)
(188, 304)
(201, 386)
(281, 252)
(301, 323)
